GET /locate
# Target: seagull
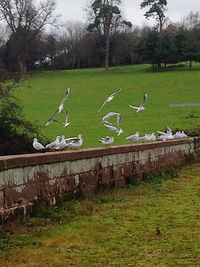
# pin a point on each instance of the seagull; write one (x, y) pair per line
(75, 142)
(109, 115)
(61, 144)
(180, 135)
(37, 145)
(108, 99)
(111, 127)
(54, 144)
(148, 137)
(61, 106)
(59, 109)
(141, 107)
(134, 137)
(107, 141)
(66, 123)
(51, 119)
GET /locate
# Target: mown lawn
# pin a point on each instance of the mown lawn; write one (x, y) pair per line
(42, 92)
(115, 229)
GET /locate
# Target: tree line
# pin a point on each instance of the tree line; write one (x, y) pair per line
(107, 39)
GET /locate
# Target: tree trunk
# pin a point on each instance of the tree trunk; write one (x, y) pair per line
(190, 64)
(22, 66)
(107, 53)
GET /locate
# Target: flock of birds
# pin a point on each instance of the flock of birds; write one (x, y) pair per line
(61, 142)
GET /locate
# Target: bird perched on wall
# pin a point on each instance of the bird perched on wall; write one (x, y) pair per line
(54, 144)
(107, 141)
(61, 144)
(142, 105)
(74, 142)
(108, 99)
(134, 137)
(37, 145)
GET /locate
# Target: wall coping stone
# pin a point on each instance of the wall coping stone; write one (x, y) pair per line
(23, 160)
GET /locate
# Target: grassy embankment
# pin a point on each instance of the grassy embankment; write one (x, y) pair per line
(115, 229)
(42, 92)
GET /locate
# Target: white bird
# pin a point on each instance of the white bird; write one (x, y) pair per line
(166, 135)
(110, 115)
(109, 125)
(142, 105)
(61, 106)
(59, 109)
(134, 137)
(148, 137)
(76, 142)
(61, 144)
(54, 144)
(108, 99)
(66, 123)
(107, 141)
(180, 135)
(37, 145)
(51, 119)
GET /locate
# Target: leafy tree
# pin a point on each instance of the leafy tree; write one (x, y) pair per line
(156, 10)
(16, 133)
(107, 18)
(25, 20)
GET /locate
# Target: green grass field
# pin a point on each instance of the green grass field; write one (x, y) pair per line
(115, 229)
(42, 92)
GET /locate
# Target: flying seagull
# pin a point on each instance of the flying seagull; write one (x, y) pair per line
(51, 119)
(109, 125)
(108, 99)
(110, 115)
(61, 106)
(59, 109)
(66, 123)
(141, 107)
(37, 145)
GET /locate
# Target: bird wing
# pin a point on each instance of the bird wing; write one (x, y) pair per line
(49, 121)
(58, 121)
(119, 119)
(60, 107)
(144, 100)
(67, 118)
(133, 107)
(109, 115)
(162, 133)
(103, 105)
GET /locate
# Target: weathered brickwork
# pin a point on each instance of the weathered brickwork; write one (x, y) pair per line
(26, 178)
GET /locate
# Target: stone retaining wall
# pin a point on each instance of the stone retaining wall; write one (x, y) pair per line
(24, 179)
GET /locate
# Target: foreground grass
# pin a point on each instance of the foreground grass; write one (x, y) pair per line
(42, 92)
(115, 229)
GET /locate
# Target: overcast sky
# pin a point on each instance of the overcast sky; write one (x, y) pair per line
(177, 9)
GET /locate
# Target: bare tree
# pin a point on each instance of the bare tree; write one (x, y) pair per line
(73, 34)
(26, 20)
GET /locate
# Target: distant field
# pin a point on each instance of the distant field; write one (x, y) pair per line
(117, 229)
(42, 92)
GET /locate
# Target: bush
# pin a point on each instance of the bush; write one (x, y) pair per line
(16, 133)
